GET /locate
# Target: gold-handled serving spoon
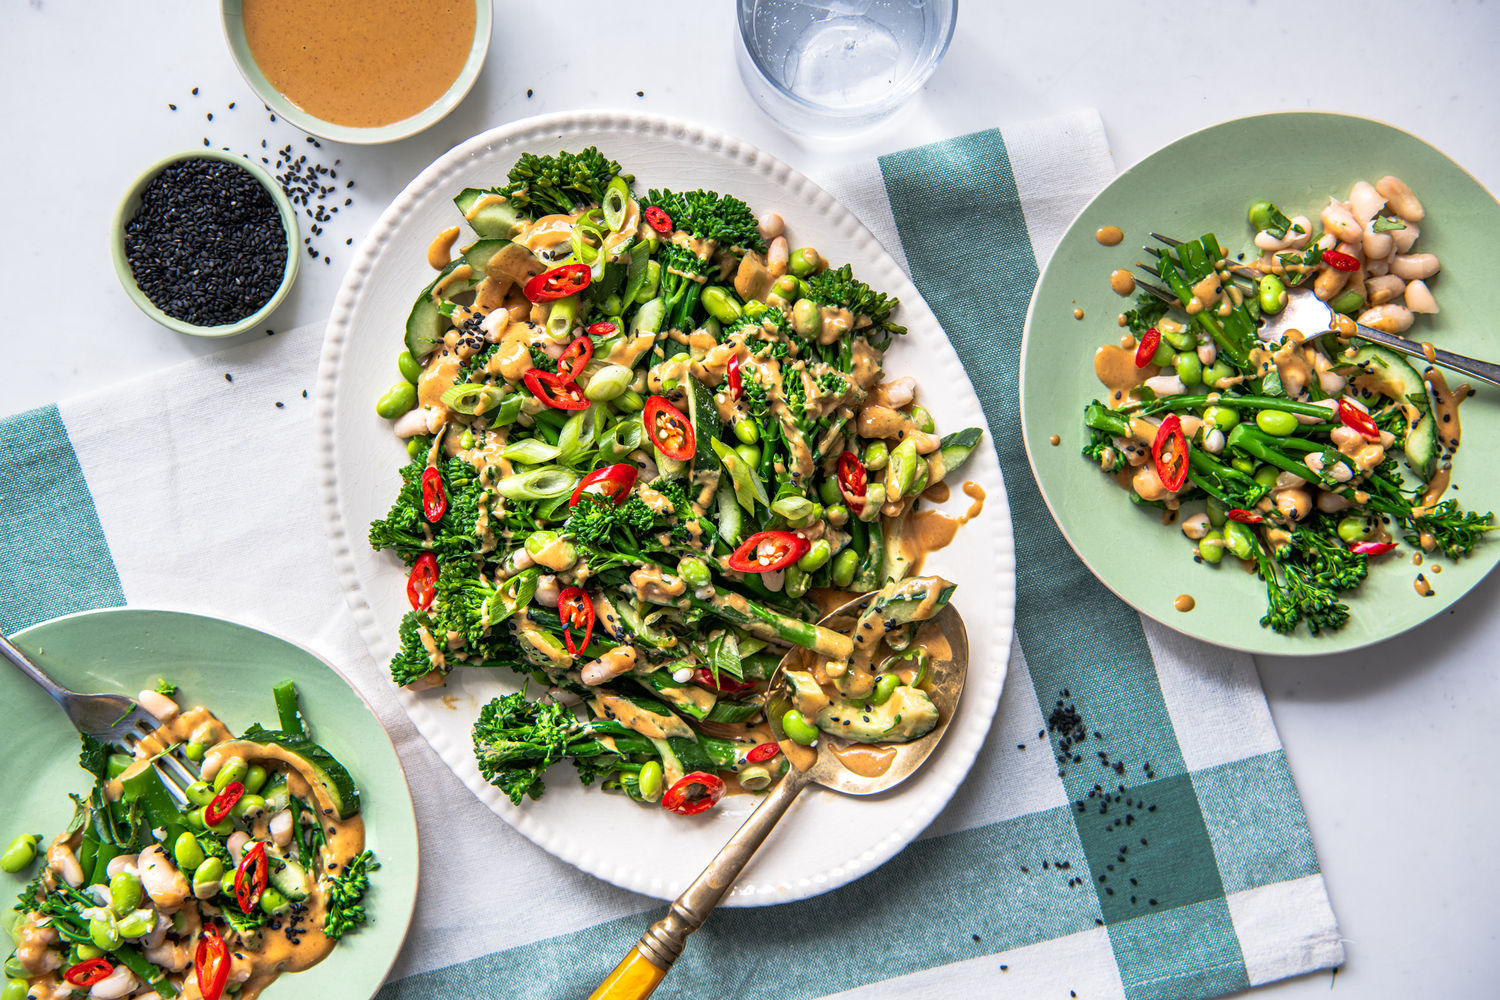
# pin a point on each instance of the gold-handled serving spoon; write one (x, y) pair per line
(638, 975)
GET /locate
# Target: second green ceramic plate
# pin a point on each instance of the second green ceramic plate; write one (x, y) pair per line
(1204, 183)
(230, 669)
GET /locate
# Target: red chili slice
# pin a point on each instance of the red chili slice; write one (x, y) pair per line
(87, 973)
(1340, 261)
(767, 551)
(216, 810)
(421, 585)
(1146, 349)
(763, 753)
(1358, 420)
(603, 328)
(736, 384)
(577, 354)
(724, 685)
(434, 497)
(211, 963)
(1372, 548)
(1244, 516)
(612, 482)
(1171, 471)
(669, 429)
(554, 390)
(250, 877)
(853, 481)
(695, 793)
(576, 609)
(658, 220)
(559, 283)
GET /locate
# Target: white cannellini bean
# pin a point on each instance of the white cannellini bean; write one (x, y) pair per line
(1213, 442)
(436, 418)
(1327, 241)
(1390, 318)
(1331, 404)
(1196, 526)
(772, 225)
(1406, 238)
(1364, 201)
(159, 705)
(1332, 503)
(1331, 382)
(1341, 472)
(1378, 268)
(1165, 385)
(1329, 282)
(1384, 288)
(1208, 353)
(236, 844)
(410, 424)
(777, 255)
(1412, 266)
(160, 878)
(61, 859)
(547, 590)
(1288, 480)
(1269, 242)
(1295, 503)
(1296, 240)
(121, 982)
(1419, 298)
(124, 863)
(209, 766)
(683, 676)
(280, 828)
(171, 955)
(1339, 221)
(1376, 244)
(1400, 198)
(900, 392)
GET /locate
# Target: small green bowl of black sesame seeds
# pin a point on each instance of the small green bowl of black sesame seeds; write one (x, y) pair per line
(205, 243)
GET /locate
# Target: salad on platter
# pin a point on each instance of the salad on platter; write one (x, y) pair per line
(651, 445)
(1306, 456)
(262, 870)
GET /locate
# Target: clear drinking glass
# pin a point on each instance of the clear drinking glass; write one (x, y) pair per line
(827, 67)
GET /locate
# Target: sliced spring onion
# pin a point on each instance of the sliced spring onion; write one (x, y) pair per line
(608, 382)
(648, 318)
(562, 319)
(530, 451)
(635, 274)
(622, 438)
(729, 514)
(794, 507)
(541, 483)
(576, 437)
(616, 204)
(509, 410)
(472, 399)
(747, 486)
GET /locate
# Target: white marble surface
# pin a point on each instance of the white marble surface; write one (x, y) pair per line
(1390, 747)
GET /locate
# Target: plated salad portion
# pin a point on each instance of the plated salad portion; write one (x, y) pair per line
(262, 872)
(1304, 456)
(648, 441)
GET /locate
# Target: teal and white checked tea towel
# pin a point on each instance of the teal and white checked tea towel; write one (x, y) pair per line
(1131, 829)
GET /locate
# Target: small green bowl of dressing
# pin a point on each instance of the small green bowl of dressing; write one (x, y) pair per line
(130, 207)
(382, 71)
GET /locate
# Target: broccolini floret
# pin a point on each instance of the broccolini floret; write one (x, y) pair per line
(556, 185)
(346, 891)
(708, 215)
(839, 288)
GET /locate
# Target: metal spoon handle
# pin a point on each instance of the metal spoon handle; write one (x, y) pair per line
(1487, 370)
(661, 945)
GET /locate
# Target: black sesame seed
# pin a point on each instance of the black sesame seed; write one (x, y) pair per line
(172, 106)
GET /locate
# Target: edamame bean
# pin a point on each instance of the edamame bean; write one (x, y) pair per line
(693, 571)
(14, 969)
(398, 399)
(187, 852)
(199, 793)
(1216, 373)
(1189, 368)
(1277, 423)
(1272, 295)
(194, 751)
(1266, 475)
(226, 883)
(20, 854)
(901, 471)
(15, 989)
(885, 686)
(1348, 302)
(877, 453)
(612, 306)
(803, 261)
(124, 893)
(923, 419)
(1211, 547)
(609, 382)
(845, 564)
(273, 902)
(798, 729)
(789, 287)
(417, 447)
(797, 582)
(1355, 529)
(653, 283)
(224, 827)
(104, 933)
(255, 778)
(746, 430)
(248, 807)
(828, 491)
(837, 514)
(720, 304)
(1239, 539)
(649, 780)
(466, 440)
(1165, 354)
(816, 556)
(137, 923)
(807, 318)
(1261, 214)
(754, 778)
(750, 453)
(234, 769)
(1225, 418)
(409, 366)
(206, 878)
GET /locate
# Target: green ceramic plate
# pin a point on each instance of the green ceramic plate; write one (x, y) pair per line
(1203, 183)
(231, 669)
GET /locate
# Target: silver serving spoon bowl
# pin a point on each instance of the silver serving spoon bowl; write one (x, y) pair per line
(828, 763)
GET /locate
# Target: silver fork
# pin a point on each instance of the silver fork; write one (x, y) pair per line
(112, 719)
(1313, 317)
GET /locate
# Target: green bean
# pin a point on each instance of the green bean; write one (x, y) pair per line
(1189, 368)
(193, 750)
(1277, 423)
(199, 793)
(206, 878)
(720, 304)
(1211, 547)
(1355, 529)
(923, 419)
(398, 399)
(1239, 539)
(1261, 215)
(649, 781)
(750, 453)
(233, 769)
(20, 854)
(807, 318)
(876, 455)
(1348, 302)
(885, 686)
(694, 571)
(816, 556)
(797, 582)
(187, 852)
(1272, 296)
(409, 366)
(798, 729)
(608, 383)
(844, 566)
(415, 448)
(746, 430)
(104, 933)
(803, 261)
(1223, 417)
(255, 778)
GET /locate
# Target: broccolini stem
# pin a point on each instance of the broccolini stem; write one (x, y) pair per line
(768, 624)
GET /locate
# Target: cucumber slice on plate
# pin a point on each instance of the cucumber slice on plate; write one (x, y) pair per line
(489, 213)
